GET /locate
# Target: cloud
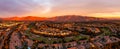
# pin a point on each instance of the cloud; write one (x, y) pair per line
(23, 7)
(12, 7)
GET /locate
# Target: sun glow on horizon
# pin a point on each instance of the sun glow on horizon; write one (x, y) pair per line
(107, 15)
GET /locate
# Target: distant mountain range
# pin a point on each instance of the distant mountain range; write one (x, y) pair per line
(74, 18)
(66, 18)
(28, 18)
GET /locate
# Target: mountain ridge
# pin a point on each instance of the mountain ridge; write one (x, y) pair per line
(65, 18)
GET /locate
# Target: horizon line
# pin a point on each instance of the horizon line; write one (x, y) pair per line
(61, 15)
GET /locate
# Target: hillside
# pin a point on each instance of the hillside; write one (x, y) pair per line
(28, 18)
(74, 18)
(66, 18)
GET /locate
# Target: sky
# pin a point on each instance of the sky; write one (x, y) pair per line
(51, 8)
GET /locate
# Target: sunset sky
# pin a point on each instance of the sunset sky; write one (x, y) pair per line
(50, 8)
